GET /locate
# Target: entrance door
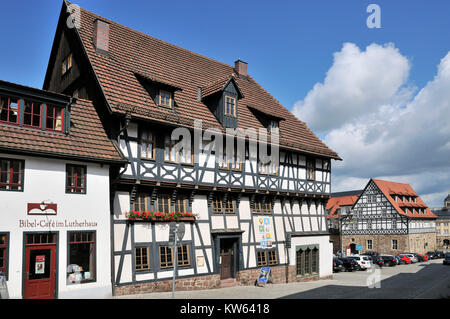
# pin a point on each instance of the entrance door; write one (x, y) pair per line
(40, 261)
(227, 257)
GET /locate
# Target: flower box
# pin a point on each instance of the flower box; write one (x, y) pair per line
(161, 217)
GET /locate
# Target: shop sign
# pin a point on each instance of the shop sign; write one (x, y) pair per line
(42, 209)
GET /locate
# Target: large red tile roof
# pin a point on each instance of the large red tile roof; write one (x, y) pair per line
(390, 189)
(132, 52)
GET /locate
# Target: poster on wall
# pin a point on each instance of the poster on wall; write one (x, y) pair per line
(40, 265)
(263, 231)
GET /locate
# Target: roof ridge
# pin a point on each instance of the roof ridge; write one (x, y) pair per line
(217, 81)
(154, 38)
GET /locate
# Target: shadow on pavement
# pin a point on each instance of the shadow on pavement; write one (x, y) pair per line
(432, 281)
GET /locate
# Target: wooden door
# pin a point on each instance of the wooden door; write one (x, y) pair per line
(39, 277)
(226, 254)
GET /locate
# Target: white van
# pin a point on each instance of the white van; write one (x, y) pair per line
(364, 261)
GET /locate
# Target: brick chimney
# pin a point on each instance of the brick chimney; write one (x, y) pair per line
(240, 67)
(101, 37)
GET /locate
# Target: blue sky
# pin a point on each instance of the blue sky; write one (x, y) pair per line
(289, 46)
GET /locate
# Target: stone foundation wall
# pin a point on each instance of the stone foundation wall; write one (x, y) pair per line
(414, 243)
(182, 284)
(378, 241)
(422, 243)
(280, 275)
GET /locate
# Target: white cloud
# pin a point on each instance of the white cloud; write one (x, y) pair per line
(357, 84)
(390, 133)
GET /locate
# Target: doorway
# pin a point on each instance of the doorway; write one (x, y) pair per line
(227, 257)
(40, 266)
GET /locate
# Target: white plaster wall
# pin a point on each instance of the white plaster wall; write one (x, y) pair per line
(325, 252)
(45, 180)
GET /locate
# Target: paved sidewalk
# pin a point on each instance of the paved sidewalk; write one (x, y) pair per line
(421, 280)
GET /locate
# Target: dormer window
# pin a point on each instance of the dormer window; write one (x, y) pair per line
(9, 110)
(54, 120)
(274, 126)
(230, 106)
(66, 64)
(32, 114)
(165, 99)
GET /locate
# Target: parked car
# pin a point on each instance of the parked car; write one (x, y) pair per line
(405, 259)
(412, 257)
(364, 262)
(431, 255)
(446, 259)
(350, 264)
(370, 253)
(338, 265)
(439, 254)
(398, 260)
(420, 258)
(388, 260)
(377, 260)
(424, 257)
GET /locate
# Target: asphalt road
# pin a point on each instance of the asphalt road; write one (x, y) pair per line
(426, 280)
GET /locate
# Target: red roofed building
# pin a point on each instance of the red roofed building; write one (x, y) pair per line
(55, 167)
(338, 206)
(390, 218)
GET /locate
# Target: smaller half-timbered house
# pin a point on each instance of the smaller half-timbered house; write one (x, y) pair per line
(55, 162)
(389, 218)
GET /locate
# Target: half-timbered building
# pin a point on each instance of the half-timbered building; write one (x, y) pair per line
(55, 162)
(240, 212)
(389, 218)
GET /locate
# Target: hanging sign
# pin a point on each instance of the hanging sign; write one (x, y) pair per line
(40, 265)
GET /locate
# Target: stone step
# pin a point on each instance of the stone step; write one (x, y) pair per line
(229, 282)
